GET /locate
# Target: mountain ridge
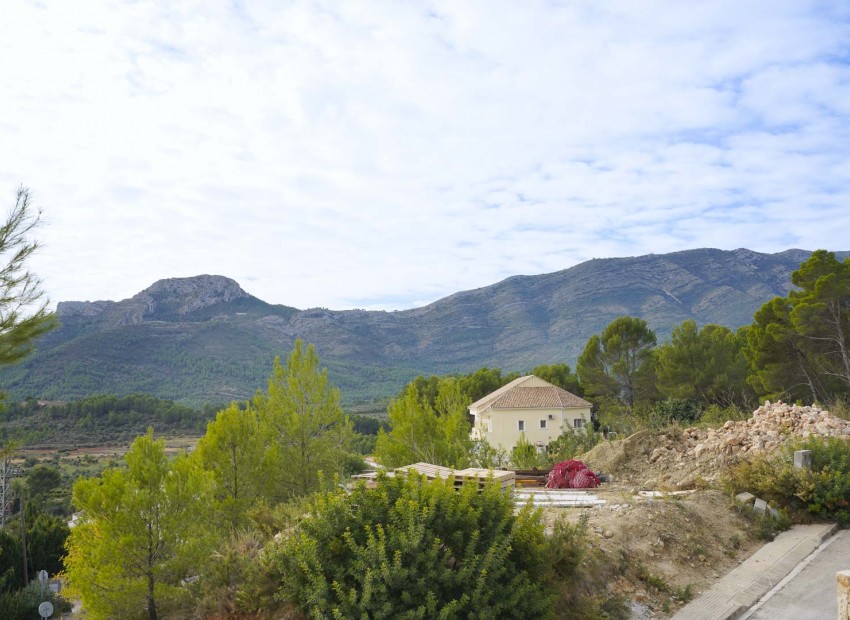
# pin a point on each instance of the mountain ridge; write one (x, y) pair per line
(204, 339)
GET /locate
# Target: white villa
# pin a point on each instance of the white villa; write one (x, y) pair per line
(528, 405)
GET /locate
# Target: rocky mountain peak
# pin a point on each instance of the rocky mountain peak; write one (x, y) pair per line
(197, 292)
(180, 296)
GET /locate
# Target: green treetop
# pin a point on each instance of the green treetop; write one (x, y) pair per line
(234, 450)
(143, 530)
(307, 431)
(420, 432)
(619, 365)
(23, 306)
(799, 346)
(704, 364)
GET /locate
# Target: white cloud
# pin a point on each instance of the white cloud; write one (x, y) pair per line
(381, 154)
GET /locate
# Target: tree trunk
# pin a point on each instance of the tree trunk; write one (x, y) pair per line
(151, 600)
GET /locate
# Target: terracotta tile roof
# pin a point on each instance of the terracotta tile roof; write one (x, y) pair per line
(481, 403)
(538, 398)
(515, 395)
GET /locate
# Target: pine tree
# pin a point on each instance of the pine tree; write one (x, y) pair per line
(143, 530)
(307, 431)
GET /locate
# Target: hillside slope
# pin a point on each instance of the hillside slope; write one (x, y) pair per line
(204, 339)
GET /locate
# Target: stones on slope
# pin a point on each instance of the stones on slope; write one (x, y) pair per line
(771, 425)
(690, 457)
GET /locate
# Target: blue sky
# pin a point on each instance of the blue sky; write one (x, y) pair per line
(382, 155)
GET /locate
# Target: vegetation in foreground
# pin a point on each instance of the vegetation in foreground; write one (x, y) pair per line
(252, 521)
(823, 492)
(226, 528)
(417, 549)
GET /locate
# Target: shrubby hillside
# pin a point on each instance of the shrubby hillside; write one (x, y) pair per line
(204, 339)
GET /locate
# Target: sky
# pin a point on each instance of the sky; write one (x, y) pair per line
(385, 154)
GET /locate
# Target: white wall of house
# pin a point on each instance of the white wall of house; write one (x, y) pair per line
(502, 428)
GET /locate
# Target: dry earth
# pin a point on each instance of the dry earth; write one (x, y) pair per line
(694, 457)
(666, 548)
(676, 545)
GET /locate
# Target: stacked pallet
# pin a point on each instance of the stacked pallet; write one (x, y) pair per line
(505, 479)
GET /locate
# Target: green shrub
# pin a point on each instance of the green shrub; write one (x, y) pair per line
(685, 410)
(580, 574)
(841, 409)
(410, 548)
(524, 455)
(23, 604)
(571, 444)
(14, 607)
(823, 491)
(715, 416)
(363, 444)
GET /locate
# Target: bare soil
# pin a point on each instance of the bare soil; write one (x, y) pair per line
(668, 549)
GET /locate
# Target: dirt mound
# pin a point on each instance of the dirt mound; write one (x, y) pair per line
(674, 458)
(666, 549)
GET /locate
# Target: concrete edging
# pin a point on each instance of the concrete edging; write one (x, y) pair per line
(744, 586)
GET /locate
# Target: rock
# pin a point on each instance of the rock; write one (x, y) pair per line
(745, 498)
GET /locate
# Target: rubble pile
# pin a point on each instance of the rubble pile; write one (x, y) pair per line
(771, 425)
(682, 458)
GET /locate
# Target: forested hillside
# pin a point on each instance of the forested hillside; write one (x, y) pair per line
(204, 339)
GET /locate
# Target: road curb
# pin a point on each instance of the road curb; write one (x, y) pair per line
(744, 586)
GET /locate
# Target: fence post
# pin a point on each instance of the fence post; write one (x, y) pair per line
(803, 459)
(842, 579)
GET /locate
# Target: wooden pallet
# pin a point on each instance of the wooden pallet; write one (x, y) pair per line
(505, 479)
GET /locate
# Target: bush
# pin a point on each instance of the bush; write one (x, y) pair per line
(363, 444)
(685, 410)
(715, 416)
(841, 409)
(581, 575)
(571, 444)
(410, 548)
(13, 606)
(823, 491)
(23, 604)
(524, 455)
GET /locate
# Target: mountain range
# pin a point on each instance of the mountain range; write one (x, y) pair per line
(204, 339)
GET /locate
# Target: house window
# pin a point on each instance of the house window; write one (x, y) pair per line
(520, 425)
(578, 423)
(542, 423)
(488, 424)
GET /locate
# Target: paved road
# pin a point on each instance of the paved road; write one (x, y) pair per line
(810, 594)
(737, 591)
